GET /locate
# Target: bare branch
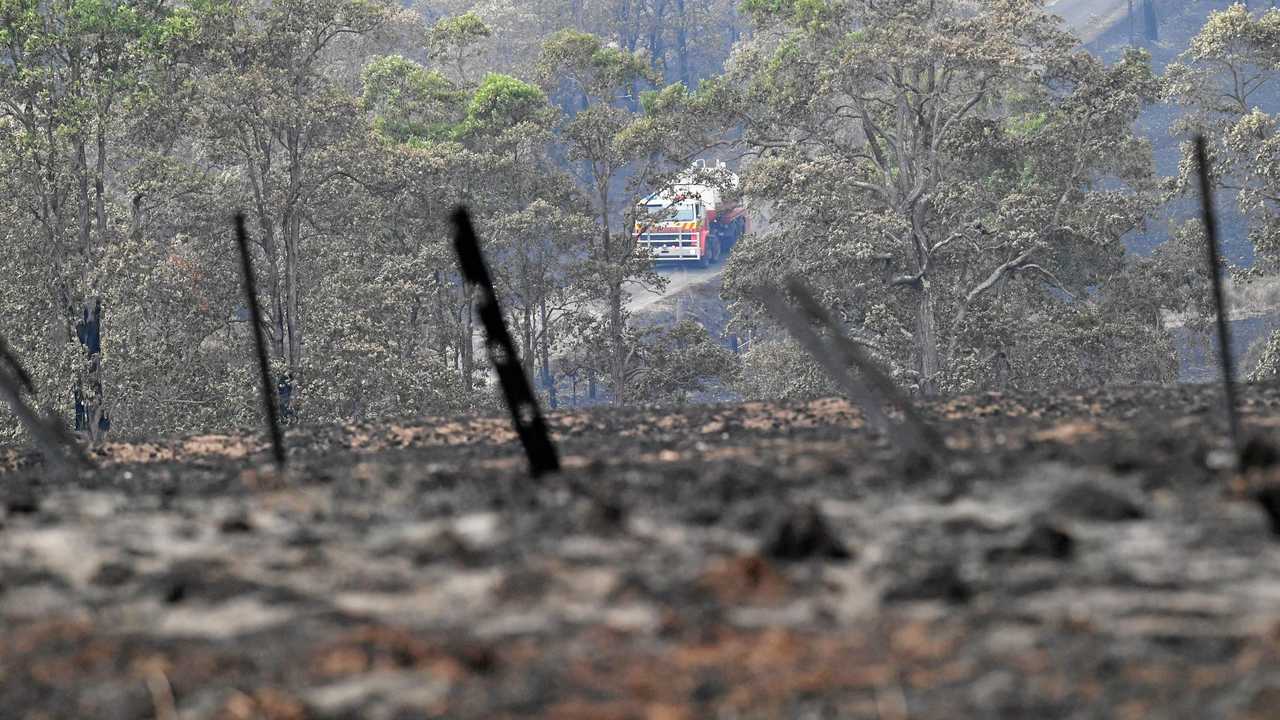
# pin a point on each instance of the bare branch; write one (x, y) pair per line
(998, 273)
(912, 281)
(1052, 278)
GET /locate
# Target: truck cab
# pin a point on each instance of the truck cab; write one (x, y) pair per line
(688, 222)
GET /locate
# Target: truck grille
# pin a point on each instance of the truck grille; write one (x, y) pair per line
(668, 240)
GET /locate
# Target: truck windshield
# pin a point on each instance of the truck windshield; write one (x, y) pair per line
(686, 211)
(673, 213)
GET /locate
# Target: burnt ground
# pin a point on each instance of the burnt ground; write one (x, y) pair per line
(1077, 556)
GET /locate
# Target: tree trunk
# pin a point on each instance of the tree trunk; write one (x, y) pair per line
(271, 251)
(277, 306)
(99, 182)
(291, 228)
(926, 341)
(618, 361)
(468, 349)
(82, 195)
(293, 327)
(1150, 24)
(1000, 371)
(545, 339)
(657, 41)
(529, 357)
(91, 417)
(682, 44)
(617, 356)
(734, 33)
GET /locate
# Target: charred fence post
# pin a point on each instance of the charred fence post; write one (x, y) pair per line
(871, 390)
(525, 413)
(255, 316)
(1219, 298)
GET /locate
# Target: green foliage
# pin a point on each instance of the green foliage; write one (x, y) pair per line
(812, 15)
(1026, 124)
(779, 369)
(596, 69)
(965, 171)
(502, 102)
(461, 31)
(410, 102)
(671, 98)
(1232, 67)
(677, 361)
(457, 41)
(1267, 368)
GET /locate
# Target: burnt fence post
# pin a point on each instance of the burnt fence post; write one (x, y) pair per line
(1219, 296)
(526, 416)
(270, 397)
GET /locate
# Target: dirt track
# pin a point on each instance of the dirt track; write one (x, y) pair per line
(679, 279)
(1074, 557)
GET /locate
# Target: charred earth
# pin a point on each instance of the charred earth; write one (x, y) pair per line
(1083, 555)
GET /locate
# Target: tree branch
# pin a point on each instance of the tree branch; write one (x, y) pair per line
(998, 273)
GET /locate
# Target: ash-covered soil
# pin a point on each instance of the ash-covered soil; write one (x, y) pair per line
(1078, 556)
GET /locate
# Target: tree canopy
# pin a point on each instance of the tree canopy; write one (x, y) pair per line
(955, 179)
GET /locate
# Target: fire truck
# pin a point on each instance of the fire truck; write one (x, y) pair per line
(691, 221)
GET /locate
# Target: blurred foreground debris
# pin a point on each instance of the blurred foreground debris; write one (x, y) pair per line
(803, 534)
(9, 363)
(1258, 461)
(871, 389)
(1043, 541)
(402, 574)
(1091, 501)
(49, 434)
(1269, 500)
(526, 416)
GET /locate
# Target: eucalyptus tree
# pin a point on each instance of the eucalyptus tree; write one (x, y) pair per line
(535, 223)
(620, 155)
(1228, 80)
(386, 316)
(456, 42)
(956, 177)
(537, 254)
(269, 112)
(683, 40)
(491, 139)
(674, 363)
(68, 70)
(417, 173)
(180, 350)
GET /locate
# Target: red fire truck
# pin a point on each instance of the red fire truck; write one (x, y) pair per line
(690, 221)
